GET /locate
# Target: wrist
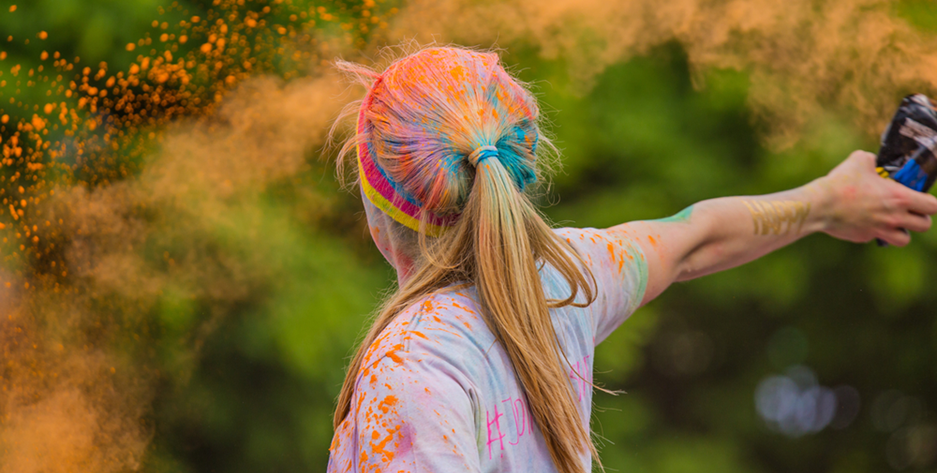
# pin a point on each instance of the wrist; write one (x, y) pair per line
(817, 194)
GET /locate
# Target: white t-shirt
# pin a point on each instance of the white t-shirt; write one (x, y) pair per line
(437, 393)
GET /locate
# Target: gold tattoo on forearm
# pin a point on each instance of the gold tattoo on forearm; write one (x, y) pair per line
(779, 217)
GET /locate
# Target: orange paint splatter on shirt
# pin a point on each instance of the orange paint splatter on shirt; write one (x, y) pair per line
(392, 354)
(387, 403)
(466, 309)
(387, 456)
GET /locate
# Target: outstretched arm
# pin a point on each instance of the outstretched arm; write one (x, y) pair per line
(851, 203)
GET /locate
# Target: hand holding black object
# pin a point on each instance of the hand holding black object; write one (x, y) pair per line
(909, 145)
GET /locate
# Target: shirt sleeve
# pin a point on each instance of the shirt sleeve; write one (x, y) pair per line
(620, 270)
(412, 413)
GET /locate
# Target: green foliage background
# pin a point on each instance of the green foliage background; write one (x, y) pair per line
(258, 394)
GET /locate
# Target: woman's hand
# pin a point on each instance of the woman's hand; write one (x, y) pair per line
(861, 205)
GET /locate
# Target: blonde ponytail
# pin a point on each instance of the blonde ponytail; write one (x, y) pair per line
(508, 233)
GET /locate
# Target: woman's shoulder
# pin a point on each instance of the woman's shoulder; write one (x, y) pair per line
(451, 315)
(443, 326)
(598, 246)
(587, 237)
(617, 264)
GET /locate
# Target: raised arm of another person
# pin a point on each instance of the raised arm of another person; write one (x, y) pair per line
(851, 203)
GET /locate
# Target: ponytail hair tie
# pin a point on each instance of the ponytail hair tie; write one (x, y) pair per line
(482, 154)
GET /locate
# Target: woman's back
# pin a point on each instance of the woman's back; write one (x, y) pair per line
(436, 391)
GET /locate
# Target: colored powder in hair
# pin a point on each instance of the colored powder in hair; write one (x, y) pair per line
(416, 134)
